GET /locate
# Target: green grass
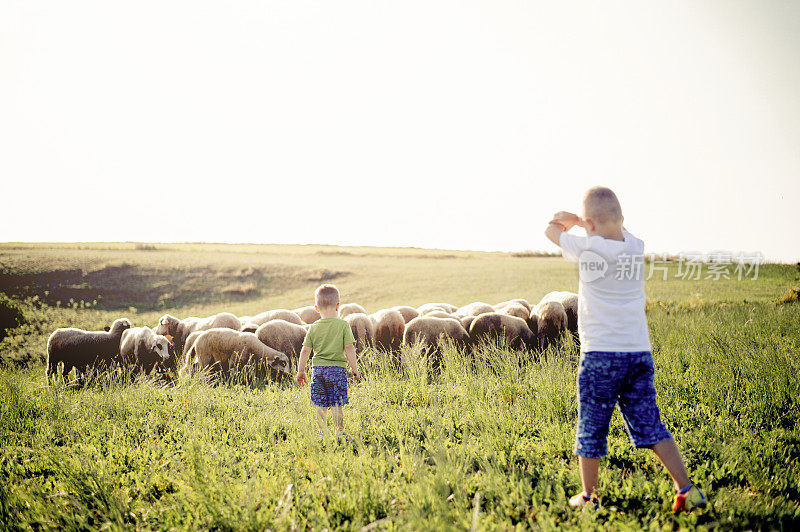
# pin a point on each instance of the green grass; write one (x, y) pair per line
(154, 455)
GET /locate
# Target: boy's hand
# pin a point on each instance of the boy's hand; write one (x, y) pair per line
(356, 374)
(301, 378)
(567, 219)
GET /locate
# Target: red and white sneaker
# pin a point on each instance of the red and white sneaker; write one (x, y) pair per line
(581, 500)
(689, 500)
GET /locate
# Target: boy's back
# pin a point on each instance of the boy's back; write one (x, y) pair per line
(611, 296)
(331, 340)
(327, 338)
(616, 365)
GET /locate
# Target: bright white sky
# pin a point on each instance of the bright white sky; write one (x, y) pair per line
(449, 124)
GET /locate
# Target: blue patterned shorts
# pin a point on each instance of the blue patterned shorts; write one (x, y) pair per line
(328, 386)
(607, 379)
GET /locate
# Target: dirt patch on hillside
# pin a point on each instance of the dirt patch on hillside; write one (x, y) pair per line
(120, 286)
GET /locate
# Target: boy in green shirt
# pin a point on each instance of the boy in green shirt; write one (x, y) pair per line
(332, 342)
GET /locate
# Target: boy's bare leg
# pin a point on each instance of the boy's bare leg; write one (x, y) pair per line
(322, 415)
(669, 455)
(590, 468)
(338, 418)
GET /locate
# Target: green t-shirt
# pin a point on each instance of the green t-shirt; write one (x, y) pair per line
(327, 338)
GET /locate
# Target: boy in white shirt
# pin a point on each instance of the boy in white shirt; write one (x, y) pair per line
(616, 364)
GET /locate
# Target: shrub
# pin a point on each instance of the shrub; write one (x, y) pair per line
(792, 295)
(10, 315)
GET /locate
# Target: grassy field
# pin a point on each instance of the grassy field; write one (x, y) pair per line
(487, 441)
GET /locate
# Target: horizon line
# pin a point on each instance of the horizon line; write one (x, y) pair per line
(543, 253)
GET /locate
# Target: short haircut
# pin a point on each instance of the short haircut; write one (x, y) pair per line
(327, 295)
(601, 205)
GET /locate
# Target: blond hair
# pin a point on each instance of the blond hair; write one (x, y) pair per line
(326, 296)
(601, 205)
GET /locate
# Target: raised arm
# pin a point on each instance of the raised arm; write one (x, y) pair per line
(553, 232)
(562, 221)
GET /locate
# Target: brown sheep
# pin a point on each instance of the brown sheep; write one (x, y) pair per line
(432, 307)
(179, 330)
(350, 308)
(519, 308)
(409, 313)
(190, 340)
(551, 321)
(278, 314)
(533, 322)
(438, 314)
(81, 349)
(429, 332)
(308, 314)
(222, 349)
(466, 321)
(570, 302)
(515, 309)
(142, 349)
(246, 327)
(283, 336)
(518, 301)
(514, 330)
(389, 328)
(474, 309)
(363, 330)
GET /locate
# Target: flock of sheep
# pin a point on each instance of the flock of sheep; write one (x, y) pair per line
(266, 342)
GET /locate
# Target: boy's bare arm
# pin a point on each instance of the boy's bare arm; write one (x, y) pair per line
(567, 220)
(350, 353)
(562, 221)
(553, 232)
(305, 352)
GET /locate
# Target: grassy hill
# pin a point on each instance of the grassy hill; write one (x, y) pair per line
(494, 430)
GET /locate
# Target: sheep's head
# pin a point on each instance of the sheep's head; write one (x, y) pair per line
(279, 366)
(120, 325)
(533, 322)
(161, 347)
(530, 339)
(167, 325)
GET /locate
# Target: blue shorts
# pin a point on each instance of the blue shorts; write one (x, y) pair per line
(607, 379)
(328, 386)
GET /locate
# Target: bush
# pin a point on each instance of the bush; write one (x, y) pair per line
(791, 295)
(10, 315)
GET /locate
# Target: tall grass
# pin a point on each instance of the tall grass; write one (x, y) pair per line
(424, 439)
(435, 441)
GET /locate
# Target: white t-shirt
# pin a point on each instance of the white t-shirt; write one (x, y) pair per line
(611, 295)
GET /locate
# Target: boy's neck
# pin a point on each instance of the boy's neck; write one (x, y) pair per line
(610, 231)
(329, 312)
